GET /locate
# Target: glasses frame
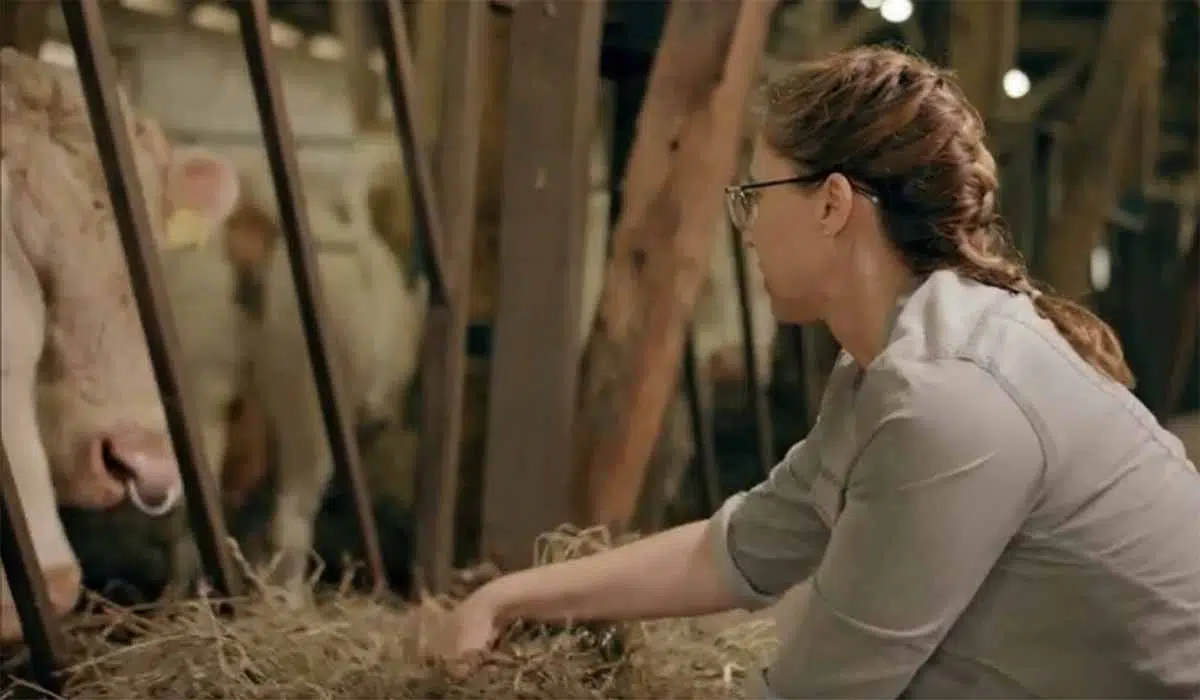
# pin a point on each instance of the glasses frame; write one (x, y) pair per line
(738, 197)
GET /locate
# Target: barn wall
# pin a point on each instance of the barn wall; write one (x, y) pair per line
(196, 83)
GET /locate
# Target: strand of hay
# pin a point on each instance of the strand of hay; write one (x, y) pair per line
(346, 645)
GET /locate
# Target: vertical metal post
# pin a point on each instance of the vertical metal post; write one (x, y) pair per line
(401, 75)
(97, 74)
(700, 414)
(756, 392)
(293, 215)
(41, 632)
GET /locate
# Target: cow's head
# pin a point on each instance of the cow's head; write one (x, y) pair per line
(99, 411)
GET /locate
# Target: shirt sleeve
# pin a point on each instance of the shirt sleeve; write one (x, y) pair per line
(772, 537)
(944, 482)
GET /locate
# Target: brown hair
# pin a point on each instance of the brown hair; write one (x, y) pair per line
(899, 126)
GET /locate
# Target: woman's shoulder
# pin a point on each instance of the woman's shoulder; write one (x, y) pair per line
(934, 395)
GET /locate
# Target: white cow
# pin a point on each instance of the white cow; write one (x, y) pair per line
(83, 424)
(376, 320)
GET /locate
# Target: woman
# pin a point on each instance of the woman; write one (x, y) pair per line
(982, 509)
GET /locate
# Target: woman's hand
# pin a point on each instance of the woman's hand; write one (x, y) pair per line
(468, 630)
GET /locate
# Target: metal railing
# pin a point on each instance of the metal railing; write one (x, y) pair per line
(97, 73)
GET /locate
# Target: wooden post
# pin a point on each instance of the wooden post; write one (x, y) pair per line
(1098, 145)
(555, 68)
(689, 133)
(23, 24)
(443, 363)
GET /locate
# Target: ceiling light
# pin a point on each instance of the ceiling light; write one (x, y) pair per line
(896, 11)
(1016, 83)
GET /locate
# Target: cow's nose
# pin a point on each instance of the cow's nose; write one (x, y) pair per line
(144, 461)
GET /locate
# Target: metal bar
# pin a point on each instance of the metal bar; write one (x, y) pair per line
(293, 215)
(549, 124)
(85, 25)
(40, 629)
(700, 413)
(401, 75)
(444, 361)
(757, 394)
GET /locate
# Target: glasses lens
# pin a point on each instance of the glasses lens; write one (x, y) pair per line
(738, 203)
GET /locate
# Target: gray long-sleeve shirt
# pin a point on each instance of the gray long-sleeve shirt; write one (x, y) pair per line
(978, 514)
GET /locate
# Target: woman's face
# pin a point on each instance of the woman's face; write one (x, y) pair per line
(794, 233)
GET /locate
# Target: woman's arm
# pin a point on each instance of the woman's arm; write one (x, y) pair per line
(669, 574)
(752, 550)
(946, 480)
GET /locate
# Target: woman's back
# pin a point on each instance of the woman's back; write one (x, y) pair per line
(1099, 592)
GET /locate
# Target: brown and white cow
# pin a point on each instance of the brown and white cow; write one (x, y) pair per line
(83, 423)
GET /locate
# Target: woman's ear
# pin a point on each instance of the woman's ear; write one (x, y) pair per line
(837, 200)
(204, 183)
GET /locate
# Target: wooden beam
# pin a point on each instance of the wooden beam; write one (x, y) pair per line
(443, 365)
(1048, 89)
(484, 271)
(1146, 146)
(23, 24)
(983, 46)
(683, 156)
(1187, 338)
(851, 32)
(1098, 144)
(550, 118)
(803, 29)
(1059, 35)
(430, 62)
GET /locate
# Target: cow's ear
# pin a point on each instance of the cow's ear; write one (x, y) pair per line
(204, 183)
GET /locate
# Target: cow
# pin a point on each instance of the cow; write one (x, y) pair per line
(376, 316)
(82, 421)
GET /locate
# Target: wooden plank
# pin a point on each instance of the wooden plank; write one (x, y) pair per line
(685, 152)
(552, 105)
(297, 237)
(39, 628)
(443, 366)
(1098, 144)
(98, 79)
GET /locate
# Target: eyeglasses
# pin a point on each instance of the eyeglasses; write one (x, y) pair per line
(741, 201)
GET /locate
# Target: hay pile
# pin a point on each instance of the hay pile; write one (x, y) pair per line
(350, 646)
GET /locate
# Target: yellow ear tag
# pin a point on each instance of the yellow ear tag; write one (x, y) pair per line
(187, 229)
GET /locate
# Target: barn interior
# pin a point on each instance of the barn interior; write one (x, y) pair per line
(500, 200)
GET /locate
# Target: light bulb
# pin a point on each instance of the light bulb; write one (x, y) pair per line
(896, 11)
(1016, 83)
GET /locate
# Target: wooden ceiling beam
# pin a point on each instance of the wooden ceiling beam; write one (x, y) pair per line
(1097, 145)
(983, 46)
